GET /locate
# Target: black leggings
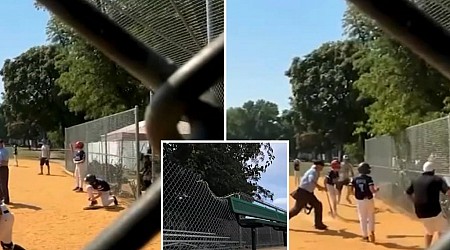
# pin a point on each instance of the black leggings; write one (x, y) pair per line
(302, 198)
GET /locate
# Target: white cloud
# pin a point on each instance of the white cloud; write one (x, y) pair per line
(280, 202)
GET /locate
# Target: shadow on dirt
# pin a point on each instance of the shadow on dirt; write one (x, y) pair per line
(16, 205)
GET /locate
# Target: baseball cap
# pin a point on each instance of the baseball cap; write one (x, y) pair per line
(345, 157)
(428, 166)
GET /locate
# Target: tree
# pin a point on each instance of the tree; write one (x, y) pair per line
(324, 95)
(253, 121)
(33, 103)
(405, 90)
(227, 167)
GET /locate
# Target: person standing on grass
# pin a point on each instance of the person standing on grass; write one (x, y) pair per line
(15, 155)
(297, 172)
(4, 172)
(45, 157)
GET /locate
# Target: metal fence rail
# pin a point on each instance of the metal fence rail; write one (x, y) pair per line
(111, 149)
(194, 218)
(398, 159)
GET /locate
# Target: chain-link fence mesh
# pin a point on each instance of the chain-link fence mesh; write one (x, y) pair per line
(194, 218)
(111, 152)
(398, 159)
(176, 29)
(438, 10)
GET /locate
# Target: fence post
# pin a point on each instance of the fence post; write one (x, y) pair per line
(138, 162)
(106, 151)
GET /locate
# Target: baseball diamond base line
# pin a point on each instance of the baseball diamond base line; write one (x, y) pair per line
(50, 216)
(394, 230)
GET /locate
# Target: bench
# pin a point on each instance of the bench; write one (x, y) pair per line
(253, 216)
(197, 240)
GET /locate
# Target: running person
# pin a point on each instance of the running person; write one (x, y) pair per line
(297, 172)
(425, 192)
(6, 228)
(345, 174)
(15, 155)
(364, 190)
(98, 188)
(79, 159)
(45, 157)
(330, 184)
(305, 195)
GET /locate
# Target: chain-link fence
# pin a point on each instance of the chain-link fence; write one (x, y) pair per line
(194, 218)
(111, 149)
(398, 159)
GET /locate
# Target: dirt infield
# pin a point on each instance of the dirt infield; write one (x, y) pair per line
(49, 215)
(393, 230)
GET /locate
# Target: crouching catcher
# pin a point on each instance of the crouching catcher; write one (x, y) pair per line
(98, 188)
(6, 229)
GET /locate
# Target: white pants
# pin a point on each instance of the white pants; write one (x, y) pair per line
(333, 194)
(437, 224)
(366, 214)
(80, 173)
(6, 227)
(297, 177)
(106, 197)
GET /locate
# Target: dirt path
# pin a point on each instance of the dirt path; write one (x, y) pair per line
(393, 230)
(49, 215)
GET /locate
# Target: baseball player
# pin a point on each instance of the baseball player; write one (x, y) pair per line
(6, 228)
(330, 181)
(424, 192)
(345, 173)
(79, 158)
(364, 190)
(45, 157)
(147, 173)
(15, 155)
(304, 195)
(98, 188)
(297, 171)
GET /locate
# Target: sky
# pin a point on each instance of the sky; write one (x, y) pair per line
(22, 26)
(275, 177)
(263, 36)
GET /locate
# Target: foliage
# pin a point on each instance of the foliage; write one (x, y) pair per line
(57, 138)
(354, 151)
(226, 167)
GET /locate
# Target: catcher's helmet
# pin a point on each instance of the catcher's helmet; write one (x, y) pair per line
(364, 168)
(90, 178)
(335, 164)
(79, 144)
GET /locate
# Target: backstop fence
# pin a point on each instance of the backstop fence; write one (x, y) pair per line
(194, 218)
(396, 160)
(111, 144)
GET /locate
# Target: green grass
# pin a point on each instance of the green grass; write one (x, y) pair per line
(25, 153)
(303, 167)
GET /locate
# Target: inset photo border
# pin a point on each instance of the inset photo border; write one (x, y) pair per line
(224, 194)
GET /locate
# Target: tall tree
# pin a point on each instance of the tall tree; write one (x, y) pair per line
(226, 167)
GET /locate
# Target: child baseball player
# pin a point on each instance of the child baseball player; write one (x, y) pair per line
(364, 190)
(98, 188)
(79, 158)
(330, 182)
(6, 228)
(297, 171)
(45, 157)
(15, 155)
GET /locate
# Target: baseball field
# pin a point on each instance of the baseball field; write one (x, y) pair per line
(49, 215)
(394, 230)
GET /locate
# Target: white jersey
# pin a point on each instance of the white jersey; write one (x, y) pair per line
(345, 171)
(45, 151)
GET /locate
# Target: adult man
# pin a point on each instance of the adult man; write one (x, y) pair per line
(297, 171)
(45, 157)
(305, 194)
(424, 192)
(4, 172)
(79, 158)
(345, 173)
(98, 188)
(6, 229)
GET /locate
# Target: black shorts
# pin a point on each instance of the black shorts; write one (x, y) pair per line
(341, 184)
(44, 161)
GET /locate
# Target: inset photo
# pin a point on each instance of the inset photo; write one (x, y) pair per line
(225, 194)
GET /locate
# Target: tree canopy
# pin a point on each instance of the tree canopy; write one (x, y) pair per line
(227, 167)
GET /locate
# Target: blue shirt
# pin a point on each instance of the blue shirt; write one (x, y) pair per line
(309, 180)
(4, 156)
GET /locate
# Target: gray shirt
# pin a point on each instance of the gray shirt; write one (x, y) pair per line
(309, 179)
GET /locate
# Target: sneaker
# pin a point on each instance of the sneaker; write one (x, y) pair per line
(115, 201)
(80, 190)
(75, 189)
(40, 173)
(321, 227)
(365, 239)
(93, 203)
(372, 237)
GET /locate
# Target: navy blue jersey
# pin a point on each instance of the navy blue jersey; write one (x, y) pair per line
(361, 185)
(79, 155)
(101, 185)
(332, 177)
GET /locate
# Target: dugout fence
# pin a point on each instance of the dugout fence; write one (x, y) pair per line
(191, 209)
(396, 160)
